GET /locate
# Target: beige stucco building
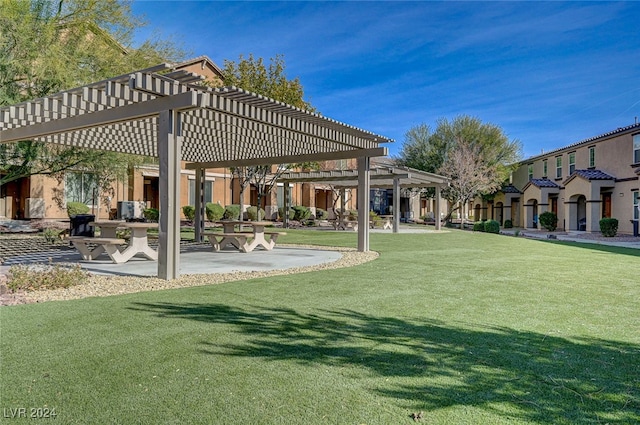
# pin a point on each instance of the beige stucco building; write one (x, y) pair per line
(581, 183)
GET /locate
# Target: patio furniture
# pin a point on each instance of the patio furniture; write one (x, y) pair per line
(387, 221)
(243, 241)
(91, 247)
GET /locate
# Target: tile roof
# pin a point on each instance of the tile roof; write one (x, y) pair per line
(543, 183)
(594, 175)
(510, 189)
(589, 175)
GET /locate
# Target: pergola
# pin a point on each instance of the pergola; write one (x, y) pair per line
(164, 113)
(390, 177)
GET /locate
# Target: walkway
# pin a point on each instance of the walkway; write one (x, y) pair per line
(623, 241)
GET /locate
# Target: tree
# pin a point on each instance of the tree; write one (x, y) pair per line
(470, 174)
(421, 150)
(253, 75)
(477, 157)
(47, 47)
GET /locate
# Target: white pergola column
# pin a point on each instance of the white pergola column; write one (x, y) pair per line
(169, 154)
(364, 189)
(396, 204)
(436, 214)
(199, 204)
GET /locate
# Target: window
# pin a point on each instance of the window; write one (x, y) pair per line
(545, 168)
(81, 187)
(592, 157)
(572, 162)
(636, 149)
(558, 167)
(208, 192)
(530, 171)
(636, 205)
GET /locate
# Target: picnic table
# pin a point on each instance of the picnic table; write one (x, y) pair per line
(108, 242)
(342, 222)
(242, 240)
(388, 219)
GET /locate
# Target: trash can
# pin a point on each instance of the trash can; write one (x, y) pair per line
(635, 227)
(80, 225)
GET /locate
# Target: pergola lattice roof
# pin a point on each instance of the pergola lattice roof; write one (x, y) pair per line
(380, 176)
(222, 126)
(170, 117)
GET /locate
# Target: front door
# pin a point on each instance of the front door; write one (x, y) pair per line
(606, 205)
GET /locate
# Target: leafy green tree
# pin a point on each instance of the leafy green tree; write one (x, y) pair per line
(421, 150)
(49, 46)
(253, 75)
(476, 156)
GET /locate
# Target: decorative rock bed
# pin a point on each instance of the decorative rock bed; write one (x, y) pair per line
(100, 285)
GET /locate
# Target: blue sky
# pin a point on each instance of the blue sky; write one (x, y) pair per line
(549, 73)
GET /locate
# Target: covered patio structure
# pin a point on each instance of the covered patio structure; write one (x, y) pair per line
(163, 113)
(389, 177)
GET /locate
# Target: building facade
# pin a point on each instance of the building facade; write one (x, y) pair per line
(581, 183)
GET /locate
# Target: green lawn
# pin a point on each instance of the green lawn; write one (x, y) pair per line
(470, 328)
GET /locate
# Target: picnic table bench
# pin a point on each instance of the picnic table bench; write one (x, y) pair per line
(344, 224)
(90, 248)
(243, 241)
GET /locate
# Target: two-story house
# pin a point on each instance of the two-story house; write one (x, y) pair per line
(581, 183)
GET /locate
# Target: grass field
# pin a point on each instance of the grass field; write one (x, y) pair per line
(469, 328)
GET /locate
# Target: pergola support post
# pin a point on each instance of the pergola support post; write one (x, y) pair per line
(287, 205)
(199, 205)
(169, 154)
(364, 188)
(436, 213)
(396, 205)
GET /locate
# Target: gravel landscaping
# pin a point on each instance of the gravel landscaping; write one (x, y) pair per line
(100, 285)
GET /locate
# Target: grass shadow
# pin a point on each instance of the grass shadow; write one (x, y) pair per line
(430, 365)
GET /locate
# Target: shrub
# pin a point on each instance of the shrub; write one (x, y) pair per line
(281, 213)
(151, 214)
(609, 227)
(34, 277)
(214, 211)
(374, 218)
(231, 212)
(189, 212)
(321, 214)
(75, 208)
(301, 212)
(353, 215)
(51, 235)
(252, 213)
(548, 220)
(478, 226)
(508, 224)
(491, 226)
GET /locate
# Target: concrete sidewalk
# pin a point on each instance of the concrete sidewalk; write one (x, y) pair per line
(625, 241)
(194, 259)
